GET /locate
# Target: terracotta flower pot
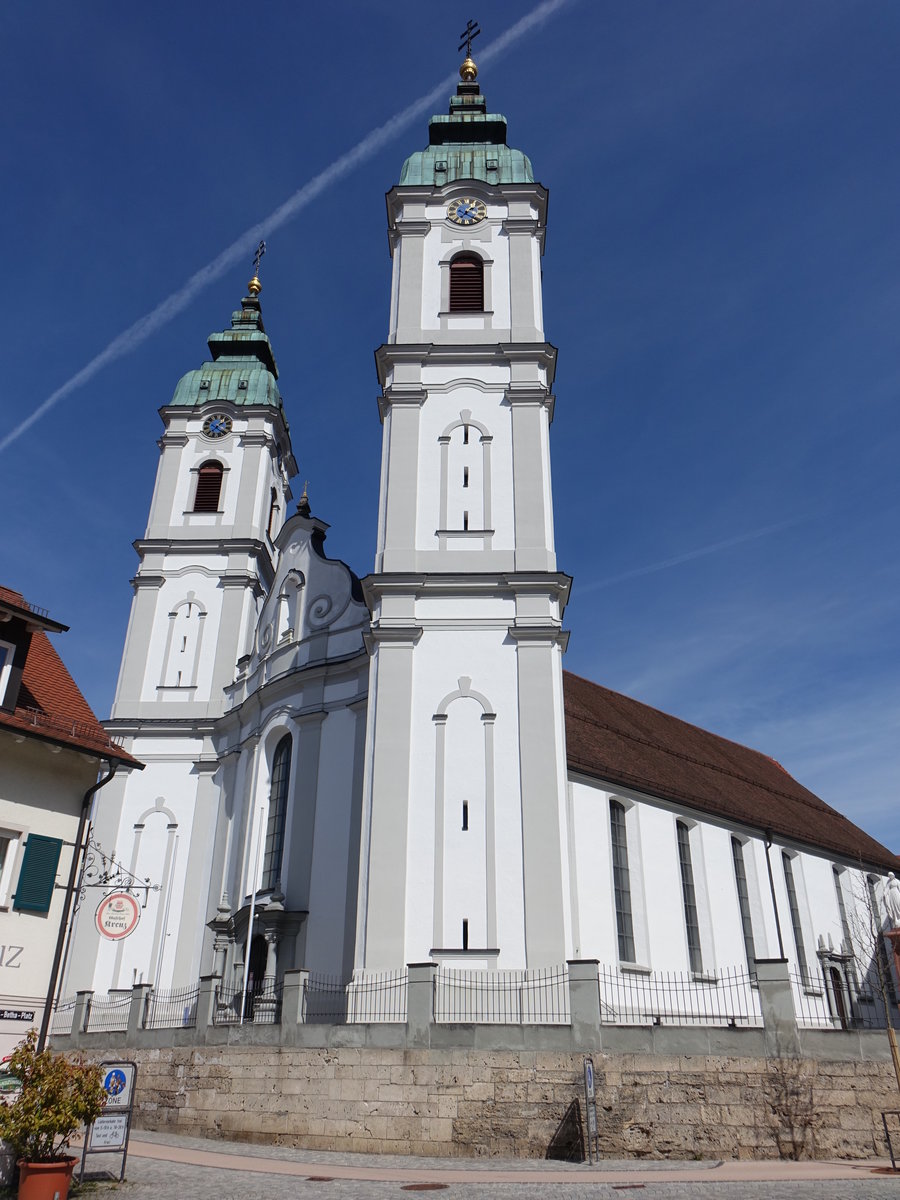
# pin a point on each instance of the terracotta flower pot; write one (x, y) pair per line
(45, 1180)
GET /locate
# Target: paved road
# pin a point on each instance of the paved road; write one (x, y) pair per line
(163, 1167)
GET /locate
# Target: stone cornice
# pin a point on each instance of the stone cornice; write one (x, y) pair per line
(514, 582)
(491, 193)
(540, 635)
(195, 544)
(134, 727)
(398, 635)
(491, 353)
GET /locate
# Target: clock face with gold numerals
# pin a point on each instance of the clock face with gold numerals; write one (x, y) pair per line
(217, 425)
(466, 211)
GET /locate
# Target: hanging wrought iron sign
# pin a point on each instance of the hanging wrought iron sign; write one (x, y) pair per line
(117, 915)
(101, 870)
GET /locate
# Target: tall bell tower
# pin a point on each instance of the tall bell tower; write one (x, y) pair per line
(464, 834)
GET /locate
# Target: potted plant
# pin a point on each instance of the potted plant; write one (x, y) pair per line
(58, 1095)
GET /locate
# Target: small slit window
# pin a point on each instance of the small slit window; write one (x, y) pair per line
(467, 284)
(273, 509)
(209, 488)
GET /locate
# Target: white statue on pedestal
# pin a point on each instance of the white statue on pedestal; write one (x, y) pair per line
(892, 899)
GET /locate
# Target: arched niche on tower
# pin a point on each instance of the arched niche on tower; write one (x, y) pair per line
(464, 826)
(465, 478)
(184, 637)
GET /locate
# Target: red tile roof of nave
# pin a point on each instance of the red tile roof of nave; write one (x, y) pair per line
(614, 738)
(51, 706)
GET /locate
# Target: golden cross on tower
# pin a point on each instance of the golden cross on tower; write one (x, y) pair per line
(468, 71)
(254, 287)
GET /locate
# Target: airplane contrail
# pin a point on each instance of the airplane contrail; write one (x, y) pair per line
(690, 555)
(243, 246)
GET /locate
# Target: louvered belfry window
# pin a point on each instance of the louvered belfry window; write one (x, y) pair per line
(209, 486)
(467, 284)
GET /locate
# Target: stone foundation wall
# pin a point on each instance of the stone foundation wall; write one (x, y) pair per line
(473, 1102)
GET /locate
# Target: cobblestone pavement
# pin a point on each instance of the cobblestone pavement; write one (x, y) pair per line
(312, 1175)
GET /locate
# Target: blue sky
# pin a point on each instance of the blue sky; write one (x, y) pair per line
(722, 279)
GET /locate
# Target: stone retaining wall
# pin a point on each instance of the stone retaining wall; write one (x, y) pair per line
(471, 1102)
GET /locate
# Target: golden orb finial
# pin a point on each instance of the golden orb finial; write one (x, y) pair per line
(254, 287)
(468, 72)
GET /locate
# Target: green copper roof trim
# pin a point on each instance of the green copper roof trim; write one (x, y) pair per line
(488, 162)
(468, 143)
(243, 370)
(240, 383)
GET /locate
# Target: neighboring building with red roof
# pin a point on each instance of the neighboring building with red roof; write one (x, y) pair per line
(51, 749)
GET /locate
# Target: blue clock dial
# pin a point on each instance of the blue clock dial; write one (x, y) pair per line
(466, 211)
(217, 426)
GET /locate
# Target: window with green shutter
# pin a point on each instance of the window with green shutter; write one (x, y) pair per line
(38, 873)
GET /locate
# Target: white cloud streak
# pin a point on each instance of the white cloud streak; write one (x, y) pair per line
(689, 555)
(243, 247)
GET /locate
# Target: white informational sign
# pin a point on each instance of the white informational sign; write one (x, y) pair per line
(118, 1082)
(118, 915)
(110, 1132)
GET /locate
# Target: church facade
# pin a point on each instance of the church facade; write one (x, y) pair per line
(350, 774)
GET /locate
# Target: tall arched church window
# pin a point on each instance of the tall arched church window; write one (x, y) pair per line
(466, 284)
(689, 897)
(209, 488)
(621, 881)
(278, 797)
(743, 893)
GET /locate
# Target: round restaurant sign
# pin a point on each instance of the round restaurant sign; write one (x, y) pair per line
(118, 915)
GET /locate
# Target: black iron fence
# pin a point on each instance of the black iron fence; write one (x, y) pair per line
(172, 1008)
(728, 997)
(832, 998)
(260, 1004)
(371, 997)
(536, 997)
(63, 1013)
(108, 1014)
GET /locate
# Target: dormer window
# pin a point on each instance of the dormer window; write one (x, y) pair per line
(209, 487)
(466, 284)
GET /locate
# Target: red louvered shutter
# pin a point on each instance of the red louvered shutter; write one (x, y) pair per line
(209, 485)
(467, 284)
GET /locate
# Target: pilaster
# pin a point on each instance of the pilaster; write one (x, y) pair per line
(391, 696)
(776, 1001)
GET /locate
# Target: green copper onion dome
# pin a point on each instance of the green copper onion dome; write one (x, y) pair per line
(243, 369)
(468, 143)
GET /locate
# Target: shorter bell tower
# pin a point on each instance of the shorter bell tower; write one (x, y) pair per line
(206, 562)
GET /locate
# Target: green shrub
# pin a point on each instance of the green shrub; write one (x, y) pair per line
(58, 1095)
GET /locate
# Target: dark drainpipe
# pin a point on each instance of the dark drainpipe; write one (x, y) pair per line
(77, 851)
